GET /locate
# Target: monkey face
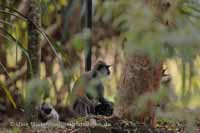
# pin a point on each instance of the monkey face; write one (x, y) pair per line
(47, 112)
(46, 108)
(103, 70)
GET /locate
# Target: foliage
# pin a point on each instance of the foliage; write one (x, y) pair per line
(37, 90)
(8, 94)
(165, 29)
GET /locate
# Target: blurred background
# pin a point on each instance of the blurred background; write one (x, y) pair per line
(169, 29)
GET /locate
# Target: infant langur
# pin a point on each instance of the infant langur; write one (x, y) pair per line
(87, 96)
(47, 112)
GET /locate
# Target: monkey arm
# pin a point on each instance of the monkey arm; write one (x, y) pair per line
(105, 107)
(101, 98)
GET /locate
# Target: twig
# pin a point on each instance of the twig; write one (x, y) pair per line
(50, 31)
(75, 130)
(19, 74)
(22, 8)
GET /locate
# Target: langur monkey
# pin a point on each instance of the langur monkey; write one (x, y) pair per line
(87, 95)
(47, 112)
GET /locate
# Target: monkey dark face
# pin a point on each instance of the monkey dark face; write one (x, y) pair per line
(47, 112)
(103, 70)
(46, 108)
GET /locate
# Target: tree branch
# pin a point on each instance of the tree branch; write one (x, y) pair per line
(22, 8)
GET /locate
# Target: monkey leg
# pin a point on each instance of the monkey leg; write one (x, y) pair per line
(80, 108)
(83, 107)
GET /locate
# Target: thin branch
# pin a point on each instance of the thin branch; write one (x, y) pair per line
(10, 79)
(6, 22)
(10, 13)
(52, 47)
(11, 25)
(22, 8)
(18, 44)
(37, 27)
(50, 31)
(18, 75)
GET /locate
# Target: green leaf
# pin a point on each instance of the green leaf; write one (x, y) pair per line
(8, 94)
(19, 45)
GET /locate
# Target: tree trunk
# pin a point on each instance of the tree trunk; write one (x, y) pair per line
(140, 78)
(88, 25)
(34, 48)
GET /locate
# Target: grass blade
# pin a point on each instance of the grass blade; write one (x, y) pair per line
(8, 94)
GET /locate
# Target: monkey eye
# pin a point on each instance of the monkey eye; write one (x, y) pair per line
(47, 111)
(100, 67)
